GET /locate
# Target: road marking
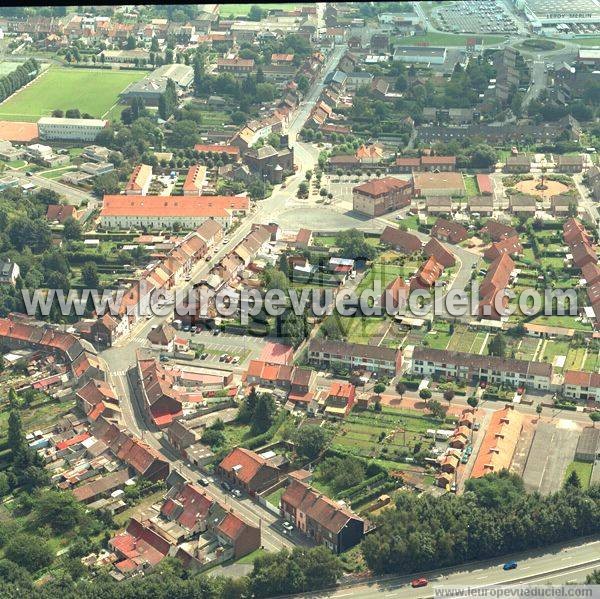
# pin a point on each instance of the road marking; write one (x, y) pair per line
(481, 577)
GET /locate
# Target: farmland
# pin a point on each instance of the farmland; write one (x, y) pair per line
(93, 91)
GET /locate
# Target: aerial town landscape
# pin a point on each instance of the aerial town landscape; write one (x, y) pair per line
(299, 299)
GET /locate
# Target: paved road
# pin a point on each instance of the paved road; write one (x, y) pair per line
(72, 195)
(120, 359)
(538, 81)
(552, 565)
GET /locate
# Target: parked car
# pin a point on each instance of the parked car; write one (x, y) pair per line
(204, 356)
(204, 481)
(164, 358)
(510, 565)
(235, 360)
(236, 493)
(216, 332)
(419, 582)
(287, 526)
(222, 357)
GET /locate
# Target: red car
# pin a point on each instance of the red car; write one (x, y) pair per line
(419, 582)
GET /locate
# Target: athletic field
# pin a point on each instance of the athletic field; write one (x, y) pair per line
(94, 91)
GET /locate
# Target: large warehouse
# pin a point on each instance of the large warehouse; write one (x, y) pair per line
(554, 12)
(151, 87)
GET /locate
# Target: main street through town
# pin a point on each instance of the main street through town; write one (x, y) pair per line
(120, 360)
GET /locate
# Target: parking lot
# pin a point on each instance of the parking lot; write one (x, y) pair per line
(475, 17)
(242, 347)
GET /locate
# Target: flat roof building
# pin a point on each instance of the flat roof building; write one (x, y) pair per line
(70, 129)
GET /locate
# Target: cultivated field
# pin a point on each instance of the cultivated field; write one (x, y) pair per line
(93, 91)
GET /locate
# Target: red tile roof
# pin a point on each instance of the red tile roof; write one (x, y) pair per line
(180, 206)
(245, 464)
(377, 187)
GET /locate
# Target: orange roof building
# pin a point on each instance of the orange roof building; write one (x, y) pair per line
(159, 212)
(498, 446)
(194, 180)
(140, 179)
(248, 470)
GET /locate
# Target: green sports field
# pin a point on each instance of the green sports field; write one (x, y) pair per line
(93, 91)
(241, 10)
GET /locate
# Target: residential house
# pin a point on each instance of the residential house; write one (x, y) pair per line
(561, 205)
(434, 249)
(517, 164)
(340, 399)
(510, 246)
(354, 356)
(401, 241)
(97, 397)
(569, 164)
(161, 400)
(427, 275)
(140, 179)
(320, 518)
(498, 231)
(482, 205)
(522, 205)
(473, 368)
(248, 470)
(449, 231)
(491, 292)
(438, 204)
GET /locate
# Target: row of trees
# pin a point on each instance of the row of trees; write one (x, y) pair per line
(493, 517)
(15, 80)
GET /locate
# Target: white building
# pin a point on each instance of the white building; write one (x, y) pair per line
(70, 129)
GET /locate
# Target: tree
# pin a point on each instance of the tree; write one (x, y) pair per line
(264, 413)
(168, 101)
(497, 346)
(184, 134)
(106, 184)
(60, 511)
(572, 481)
(130, 44)
(594, 417)
(71, 229)
(213, 437)
(89, 275)
(256, 13)
(310, 440)
(400, 389)
(379, 388)
(353, 245)
(437, 409)
(154, 44)
(538, 409)
(449, 395)
(303, 189)
(29, 551)
(16, 437)
(472, 402)
(425, 394)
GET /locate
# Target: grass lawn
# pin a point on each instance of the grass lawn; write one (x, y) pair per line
(446, 39)
(241, 10)
(274, 497)
(584, 471)
(359, 329)
(575, 359)
(592, 362)
(586, 41)
(93, 91)
(471, 186)
(249, 559)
